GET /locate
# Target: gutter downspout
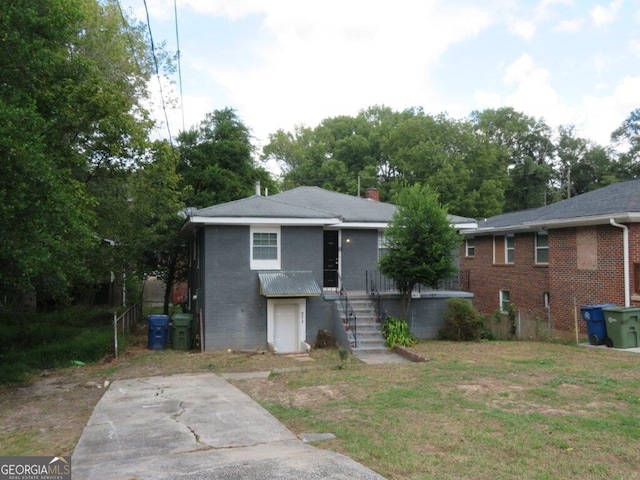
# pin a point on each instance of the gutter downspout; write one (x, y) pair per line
(625, 236)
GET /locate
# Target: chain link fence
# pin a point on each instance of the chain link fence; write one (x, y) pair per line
(521, 325)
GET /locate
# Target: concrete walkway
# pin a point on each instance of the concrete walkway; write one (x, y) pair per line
(196, 427)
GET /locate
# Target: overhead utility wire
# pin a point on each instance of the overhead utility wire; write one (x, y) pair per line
(155, 61)
(125, 22)
(175, 10)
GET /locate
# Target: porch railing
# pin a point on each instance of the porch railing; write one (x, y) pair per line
(373, 292)
(127, 321)
(387, 285)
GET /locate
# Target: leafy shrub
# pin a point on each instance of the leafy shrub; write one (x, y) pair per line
(462, 321)
(343, 354)
(396, 332)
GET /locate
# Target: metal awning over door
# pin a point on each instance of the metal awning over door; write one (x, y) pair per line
(288, 284)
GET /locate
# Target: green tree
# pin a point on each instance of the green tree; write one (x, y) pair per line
(383, 148)
(460, 166)
(46, 217)
(72, 76)
(627, 139)
(158, 207)
(582, 165)
(420, 243)
(526, 148)
(216, 162)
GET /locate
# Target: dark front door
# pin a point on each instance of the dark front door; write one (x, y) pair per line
(331, 258)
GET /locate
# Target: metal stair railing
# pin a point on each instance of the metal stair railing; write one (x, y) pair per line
(349, 317)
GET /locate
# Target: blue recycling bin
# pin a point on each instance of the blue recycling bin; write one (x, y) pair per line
(596, 324)
(158, 331)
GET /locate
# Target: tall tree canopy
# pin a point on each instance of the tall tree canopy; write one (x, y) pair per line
(216, 162)
(495, 160)
(72, 76)
(627, 138)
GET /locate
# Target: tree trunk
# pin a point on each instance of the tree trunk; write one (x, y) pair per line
(169, 284)
(406, 302)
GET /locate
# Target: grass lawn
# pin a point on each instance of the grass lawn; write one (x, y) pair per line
(487, 410)
(491, 410)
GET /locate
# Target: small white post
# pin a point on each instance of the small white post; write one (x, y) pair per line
(115, 334)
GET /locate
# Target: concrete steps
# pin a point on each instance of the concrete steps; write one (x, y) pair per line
(365, 334)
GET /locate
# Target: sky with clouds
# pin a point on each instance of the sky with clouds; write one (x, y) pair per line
(282, 63)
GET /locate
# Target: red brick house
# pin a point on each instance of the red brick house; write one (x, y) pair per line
(581, 251)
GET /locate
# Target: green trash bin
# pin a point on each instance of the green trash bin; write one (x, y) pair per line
(623, 327)
(182, 331)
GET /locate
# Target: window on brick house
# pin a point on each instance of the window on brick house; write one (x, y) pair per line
(505, 301)
(546, 298)
(470, 247)
(542, 247)
(503, 248)
(636, 278)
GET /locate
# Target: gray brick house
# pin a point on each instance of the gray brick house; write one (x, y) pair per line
(265, 271)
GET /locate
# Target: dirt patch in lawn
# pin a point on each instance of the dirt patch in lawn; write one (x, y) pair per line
(302, 397)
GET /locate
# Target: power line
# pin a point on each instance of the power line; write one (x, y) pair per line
(178, 54)
(155, 61)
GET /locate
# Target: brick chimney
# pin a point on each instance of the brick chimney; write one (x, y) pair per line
(372, 193)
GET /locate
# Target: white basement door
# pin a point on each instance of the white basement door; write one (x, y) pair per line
(286, 327)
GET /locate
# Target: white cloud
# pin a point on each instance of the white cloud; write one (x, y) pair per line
(319, 64)
(484, 99)
(603, 114)
(603, 15)
(569, 26)
(519, 70)
(546, 8)
(531, 92)
(601, 63)
(523, 28)
(595, 115)
(301, 62)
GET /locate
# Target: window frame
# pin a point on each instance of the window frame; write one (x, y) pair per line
(538, 248)
(470, 247)
(509, 250)
(260, 263)
(636, 278)
(505, 300)
(506, 248)
(383, 244)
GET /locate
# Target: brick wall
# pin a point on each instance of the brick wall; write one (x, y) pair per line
(634, 257)
(525, 281)
(585, 268)
(588, 285)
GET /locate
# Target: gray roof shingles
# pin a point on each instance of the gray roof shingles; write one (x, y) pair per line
(258, 206)
(309, 202)
(618, 198)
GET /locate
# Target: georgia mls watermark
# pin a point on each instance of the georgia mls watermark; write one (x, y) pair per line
(35, 468)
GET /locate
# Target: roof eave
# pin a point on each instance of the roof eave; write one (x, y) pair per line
(262, 221)
(356, 225)
(622, 217)
(584, 221)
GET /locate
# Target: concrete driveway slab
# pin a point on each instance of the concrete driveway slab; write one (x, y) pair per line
(196, 427)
